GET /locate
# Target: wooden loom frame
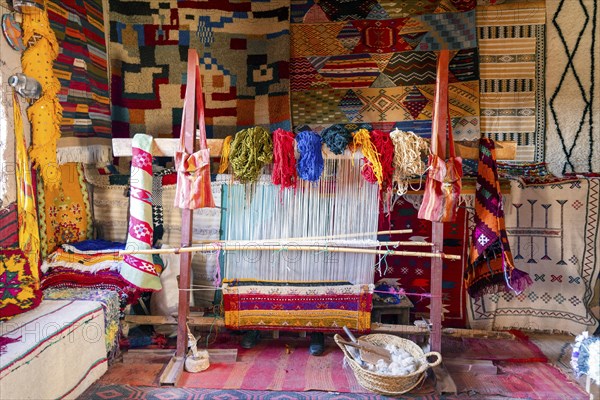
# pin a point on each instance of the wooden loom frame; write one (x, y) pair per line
(167, 147)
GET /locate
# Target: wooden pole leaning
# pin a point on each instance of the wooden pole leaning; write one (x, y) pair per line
(265, 247)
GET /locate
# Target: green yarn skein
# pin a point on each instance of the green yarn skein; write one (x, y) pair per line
(251, 150)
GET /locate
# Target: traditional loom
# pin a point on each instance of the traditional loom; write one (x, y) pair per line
(313, 222)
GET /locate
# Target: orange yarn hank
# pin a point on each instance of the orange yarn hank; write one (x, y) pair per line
(371, 170)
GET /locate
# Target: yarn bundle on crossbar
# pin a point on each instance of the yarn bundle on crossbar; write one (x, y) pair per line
(408, 162)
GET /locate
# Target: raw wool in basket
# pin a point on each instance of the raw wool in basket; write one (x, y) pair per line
(403, 363)
(408, 163)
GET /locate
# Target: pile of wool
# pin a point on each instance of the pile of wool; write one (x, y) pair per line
(403, 363)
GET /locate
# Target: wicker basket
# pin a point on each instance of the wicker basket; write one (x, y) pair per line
(390, 385)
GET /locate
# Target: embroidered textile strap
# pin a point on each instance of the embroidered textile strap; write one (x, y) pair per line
(193, 167)
(29, 236)
(138, 269)
(443, 185)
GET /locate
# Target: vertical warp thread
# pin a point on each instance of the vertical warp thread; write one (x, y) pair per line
(284, 160)
(310, 164)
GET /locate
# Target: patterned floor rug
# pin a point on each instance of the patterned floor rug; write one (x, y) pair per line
(149, 393)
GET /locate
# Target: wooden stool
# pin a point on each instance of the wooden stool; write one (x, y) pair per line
(401, 311)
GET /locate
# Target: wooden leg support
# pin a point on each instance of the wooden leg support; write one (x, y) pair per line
(172, 372)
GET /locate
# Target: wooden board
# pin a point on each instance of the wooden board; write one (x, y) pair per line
(173, 371)
(167, 147)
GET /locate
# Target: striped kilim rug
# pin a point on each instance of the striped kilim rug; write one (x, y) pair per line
(511, 58)
(82, 69)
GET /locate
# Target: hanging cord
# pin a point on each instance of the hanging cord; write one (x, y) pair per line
(284, 160)
(372, 170)
(225, 151)
(336, 137)
(311, 163)
(407, 163)
(251, 150)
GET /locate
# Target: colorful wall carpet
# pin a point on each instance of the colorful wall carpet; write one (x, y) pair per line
(413, 274)
(375, 62)
(554, 237)
(322, 306)
(511, 60)
(65, 213)
(244, 61)
(82, 69)
(572, 87)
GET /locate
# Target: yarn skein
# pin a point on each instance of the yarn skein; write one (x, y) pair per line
(251, 150)
(225, 151)
(311, 164)
(336, 137)
(407, 163)
(384, 146)
(371, 170)
(284, 160)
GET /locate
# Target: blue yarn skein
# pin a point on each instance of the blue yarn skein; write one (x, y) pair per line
(336, 137)
(310, 165)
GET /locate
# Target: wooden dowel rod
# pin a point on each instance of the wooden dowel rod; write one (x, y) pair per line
(283, 242)
(249, 247)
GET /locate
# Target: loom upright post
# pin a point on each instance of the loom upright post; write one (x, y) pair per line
(438, 146)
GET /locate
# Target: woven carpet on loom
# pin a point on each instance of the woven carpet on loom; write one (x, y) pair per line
(82, 69)
(300, 306)
(374, 62)
(572, 88)
(244, 62)
(413, 273)
(554, 236)
(511, 61)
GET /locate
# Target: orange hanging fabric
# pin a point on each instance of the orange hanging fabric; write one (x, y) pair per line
(444, 178)
(193, 170)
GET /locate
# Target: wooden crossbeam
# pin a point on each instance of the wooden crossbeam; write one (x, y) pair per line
(167, 147)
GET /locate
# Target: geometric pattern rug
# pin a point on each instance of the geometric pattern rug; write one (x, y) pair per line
(374, 62)
(413, 274)
(126, 392)
(244, 62)
(572, 87)
(555, 237)
(511, 39)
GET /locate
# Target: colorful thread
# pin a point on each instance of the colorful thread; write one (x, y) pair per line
(336, 137)
(284, 160)
(251, 150)
(311, 163)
